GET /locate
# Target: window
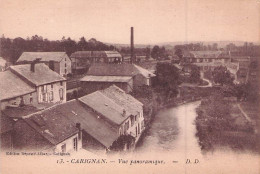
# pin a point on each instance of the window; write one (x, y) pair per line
(44, 97)
(65, 71)
(41, 89)
(31, 99)
(63, 148)
(120, 131)
(45, 88)
(126, 125)
(51, 96)
(61, 93)
(75, 144)
(142, 124)
(61, 83)
(51, 86)
(40, 97)
(21, 101)
(65, 65)
(132, 120)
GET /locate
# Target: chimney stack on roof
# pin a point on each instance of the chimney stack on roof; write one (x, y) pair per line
(132, 45)
(124, 113)
(33, 64)
(78, 125)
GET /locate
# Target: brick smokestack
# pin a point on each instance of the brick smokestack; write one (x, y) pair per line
(132, 45)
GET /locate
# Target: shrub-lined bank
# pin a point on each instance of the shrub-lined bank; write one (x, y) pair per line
(220, 123)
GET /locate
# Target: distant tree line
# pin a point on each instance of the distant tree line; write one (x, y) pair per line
(245, 91)
(138, 51)
(159, 52)
(156, 52)
(248, 49)
(11, 49)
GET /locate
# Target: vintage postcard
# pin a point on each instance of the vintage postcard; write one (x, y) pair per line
(129, 86)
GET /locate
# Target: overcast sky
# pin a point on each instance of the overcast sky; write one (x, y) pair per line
(154, 21)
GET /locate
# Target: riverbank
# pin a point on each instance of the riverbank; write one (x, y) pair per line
(150, 116)
(221, 124)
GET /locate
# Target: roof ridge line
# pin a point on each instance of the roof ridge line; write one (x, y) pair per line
(110, 99)
(46, 109)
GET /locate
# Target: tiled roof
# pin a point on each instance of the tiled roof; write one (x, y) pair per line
(12, 86)
(99, 129)
(123, 99)
(6, 123)
(44, 56)
(126, 69)
(90, 54)
(52, 124)
(42, 74)
(18, 112)
(113, 54)
(90, 78)
(59, 122)
(105, 106)
(144, 72)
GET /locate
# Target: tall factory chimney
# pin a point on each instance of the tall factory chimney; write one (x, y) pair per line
(132, 45)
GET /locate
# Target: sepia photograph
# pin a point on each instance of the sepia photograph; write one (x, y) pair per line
(129, 86)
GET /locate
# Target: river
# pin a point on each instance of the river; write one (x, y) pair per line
(172, 137)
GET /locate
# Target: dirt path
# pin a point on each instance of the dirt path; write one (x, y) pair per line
(245, 114)
(202, 77)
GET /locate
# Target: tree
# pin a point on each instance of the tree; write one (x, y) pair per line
(147, 53)
(12, 49)
(222, 76)
(179, 53)
(247, 91)
(121, 142)
(167, 79)
(162, 52)
(209, 47)
(155, 52)
(195, 74)
(69, 46)
(82, 44)
(215, 46)
(230, 47)
(217, 107)
(218, 113)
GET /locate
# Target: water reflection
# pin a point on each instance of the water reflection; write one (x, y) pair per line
(172, 136)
